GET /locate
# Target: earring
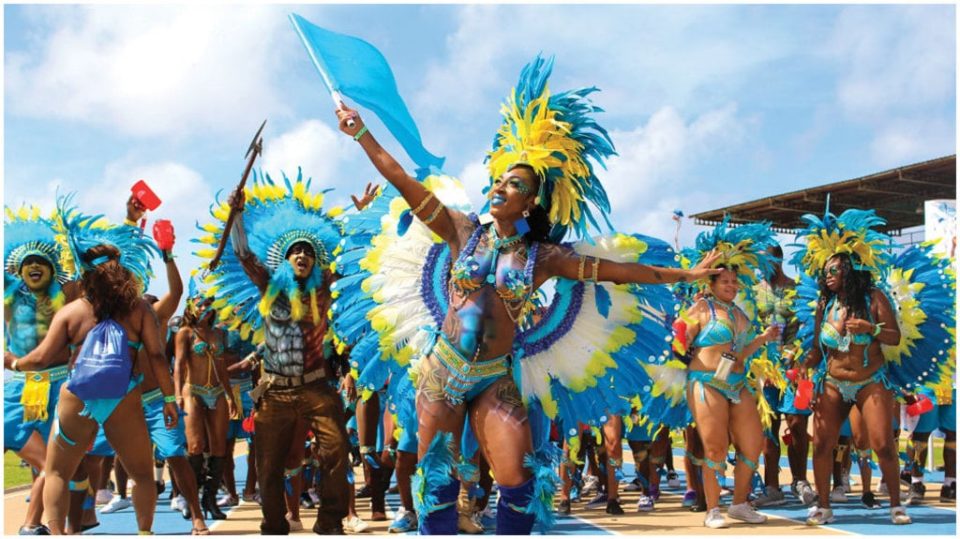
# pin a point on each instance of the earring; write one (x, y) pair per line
(521, 224)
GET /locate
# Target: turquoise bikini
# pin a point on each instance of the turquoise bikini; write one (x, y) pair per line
(830, 337)
(717, 332)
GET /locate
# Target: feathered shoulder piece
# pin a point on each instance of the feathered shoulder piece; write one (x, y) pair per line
(26, 233)
(851, 233)
(743, 247)
(556, 135)
(78, 232)
(276, 216)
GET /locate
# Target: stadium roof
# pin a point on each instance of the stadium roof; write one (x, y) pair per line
(897, 195)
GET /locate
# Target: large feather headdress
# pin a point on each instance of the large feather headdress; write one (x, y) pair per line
(276, 217)
(556, 136)
(26, 233)
(743, 247)
(78, 232)
(851, 233)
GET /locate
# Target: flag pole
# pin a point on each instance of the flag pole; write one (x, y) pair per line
(334, 94)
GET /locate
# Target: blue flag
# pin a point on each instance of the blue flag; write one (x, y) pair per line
(355, 68)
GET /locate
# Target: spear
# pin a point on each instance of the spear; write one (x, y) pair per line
(255, 149)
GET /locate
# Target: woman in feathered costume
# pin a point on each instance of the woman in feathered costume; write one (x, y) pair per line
(723, 401)
(35, 288)
(543, 181)
(846, 313)
(113, 267)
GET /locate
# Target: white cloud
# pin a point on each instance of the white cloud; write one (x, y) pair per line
(151, 70)
(321, 152)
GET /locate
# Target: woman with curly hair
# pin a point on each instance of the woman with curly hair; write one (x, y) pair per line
(853, 318)
(203, 390)
(112, 299)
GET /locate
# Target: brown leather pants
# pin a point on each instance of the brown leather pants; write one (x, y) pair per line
(277, 413)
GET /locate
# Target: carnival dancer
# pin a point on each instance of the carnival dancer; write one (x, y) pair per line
(273, 287)
(35, 287)
(724, 402)
(113, 267)
(774, 297)
(499, 262)
(851, 278)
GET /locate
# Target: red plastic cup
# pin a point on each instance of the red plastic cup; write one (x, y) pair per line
(922, 405)
(145, 196)
(163, 234)
(680, 332)
(801, 401)
(788, 437)
(792, 375)
(247, 424)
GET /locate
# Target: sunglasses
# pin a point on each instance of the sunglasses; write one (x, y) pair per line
(835, 270)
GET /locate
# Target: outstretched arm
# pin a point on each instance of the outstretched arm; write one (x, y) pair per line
(565, 262)
(424, 205)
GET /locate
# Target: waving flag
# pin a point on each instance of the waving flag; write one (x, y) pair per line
(355, 68)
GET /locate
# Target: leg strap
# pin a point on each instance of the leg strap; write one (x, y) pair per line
(720, 466)
(750, 464)
(77, 486)
(838, 454)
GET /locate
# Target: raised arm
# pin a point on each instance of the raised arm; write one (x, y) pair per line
(53, 347)
(565, 262)
(255, 269)
(423, 204)
(166, 306)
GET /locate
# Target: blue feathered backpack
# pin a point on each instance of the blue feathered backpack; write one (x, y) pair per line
(104, 366)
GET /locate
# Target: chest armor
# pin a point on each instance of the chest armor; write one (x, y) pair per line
(284, 341)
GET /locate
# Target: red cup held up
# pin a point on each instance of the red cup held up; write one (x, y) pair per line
(145, 196)
(792, 375)
(163, 234)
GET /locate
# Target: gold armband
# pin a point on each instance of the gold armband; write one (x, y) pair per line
(435, 214)
(423, 204)
(582, 267)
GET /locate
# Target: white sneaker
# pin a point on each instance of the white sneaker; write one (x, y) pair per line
(354, 524)
(314, 496)
(845, 481)
(837, 495)
(745, 512)
(898, 515)
(817, 516)
(645, 504)
(883, 489)
(295, 525)
(673, 480)
(805, 493)
(714, 519)
(179, 503)
(104, 496)
(590, 485)
(116, 504)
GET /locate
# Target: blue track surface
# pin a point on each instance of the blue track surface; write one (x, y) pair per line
(851, 516)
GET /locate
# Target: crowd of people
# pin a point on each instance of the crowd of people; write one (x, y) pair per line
(411, 339)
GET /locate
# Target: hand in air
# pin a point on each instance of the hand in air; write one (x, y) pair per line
(369, 194)
(345, 113)
(771, 334)
(135, 210)
(237, 199)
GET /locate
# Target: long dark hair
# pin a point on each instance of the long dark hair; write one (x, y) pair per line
(112, 290)
(855, 284)
(539, 219)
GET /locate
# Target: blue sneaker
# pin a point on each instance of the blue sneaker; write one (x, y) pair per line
(405, 521)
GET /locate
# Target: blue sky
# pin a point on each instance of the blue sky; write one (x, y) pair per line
(707, 105)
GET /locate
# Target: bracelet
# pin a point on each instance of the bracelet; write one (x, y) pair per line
(129, 222)
(596, 268)
(426, 200)
(14, 365)
(362, 132)
(168, 256)
(583, 260)
(434, 215)
(877, 328)
(169, 398)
